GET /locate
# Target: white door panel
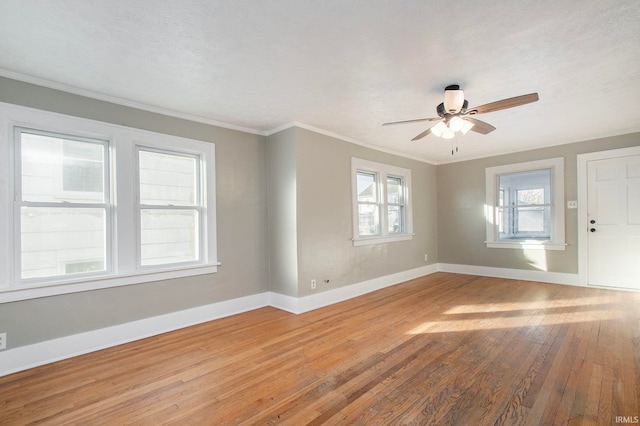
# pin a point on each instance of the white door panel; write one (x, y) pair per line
(614, 222)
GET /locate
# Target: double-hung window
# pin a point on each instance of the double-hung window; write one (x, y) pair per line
(381, 202)
(62, 212)
(88, 205)
(169, 207)
(525, 205)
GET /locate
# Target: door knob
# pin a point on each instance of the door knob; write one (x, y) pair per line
(592, 229)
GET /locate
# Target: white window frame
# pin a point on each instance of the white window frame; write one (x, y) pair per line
(381, 171)
(18, 202)
(557, 240)
(123, 268)
(198, 205)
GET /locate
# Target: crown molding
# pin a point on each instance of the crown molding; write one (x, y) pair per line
(346, 139)
(123, 102)
(184, 116)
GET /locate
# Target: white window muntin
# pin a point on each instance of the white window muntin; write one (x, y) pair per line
(557, 239)
(197, 206)
(105, 205)
(382, 172)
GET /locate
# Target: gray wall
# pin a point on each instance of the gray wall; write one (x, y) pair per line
(461, 199)
(241, 225)
(284, 217)
(324, 220)
(283, 246)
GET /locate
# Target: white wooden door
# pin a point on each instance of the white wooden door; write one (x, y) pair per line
(613, 192)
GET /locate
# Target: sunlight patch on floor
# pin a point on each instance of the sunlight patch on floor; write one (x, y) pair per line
(501, 321)
(515, 306)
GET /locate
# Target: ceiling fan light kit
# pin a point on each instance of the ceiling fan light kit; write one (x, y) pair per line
(456, 123)
(454, 116)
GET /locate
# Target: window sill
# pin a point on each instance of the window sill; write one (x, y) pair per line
(364, 241)
(32, 291)
(526, 245)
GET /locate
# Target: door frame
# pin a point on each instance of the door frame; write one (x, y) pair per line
(583, 225)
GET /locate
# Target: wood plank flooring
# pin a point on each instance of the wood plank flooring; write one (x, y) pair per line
(442, 349)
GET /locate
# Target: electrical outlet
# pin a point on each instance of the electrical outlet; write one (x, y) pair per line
(3, 341)
(313, 284)
(426, 258)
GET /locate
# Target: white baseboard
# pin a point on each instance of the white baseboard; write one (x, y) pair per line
(299, 305)
(29, 356)
(515, 274)
(25, 357)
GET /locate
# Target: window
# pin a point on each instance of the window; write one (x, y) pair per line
(525, 205)
(381, 203)
(170, 207)
(66, 232)
(59, 219)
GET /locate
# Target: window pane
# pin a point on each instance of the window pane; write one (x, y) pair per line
(52, 238)
(55, 169)
(530, 179)
(82, 167)
(394, 190)
(532, 221)
(168, 179)
(524, 222)
(530, 196)
(395, 219)
(366, 187)
(169, 236)
(368, 219)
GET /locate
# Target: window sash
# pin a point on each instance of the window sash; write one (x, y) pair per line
(197, 207)
(398, 206)
(69, 196)
(57, 256)
(510, 216)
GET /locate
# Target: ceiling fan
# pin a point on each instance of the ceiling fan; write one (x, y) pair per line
(454, 114)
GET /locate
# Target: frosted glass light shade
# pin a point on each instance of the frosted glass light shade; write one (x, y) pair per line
(456, 124)
(453, 100)
(466, 126)
(439, 129)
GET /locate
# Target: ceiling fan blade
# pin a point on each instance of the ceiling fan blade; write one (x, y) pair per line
(480, 126)
(422, 135)
(503, 104)
(413, 121)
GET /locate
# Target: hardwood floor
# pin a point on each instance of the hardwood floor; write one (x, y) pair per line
(443, 349)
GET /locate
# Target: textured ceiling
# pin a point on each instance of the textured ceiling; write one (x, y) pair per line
(345, 66)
